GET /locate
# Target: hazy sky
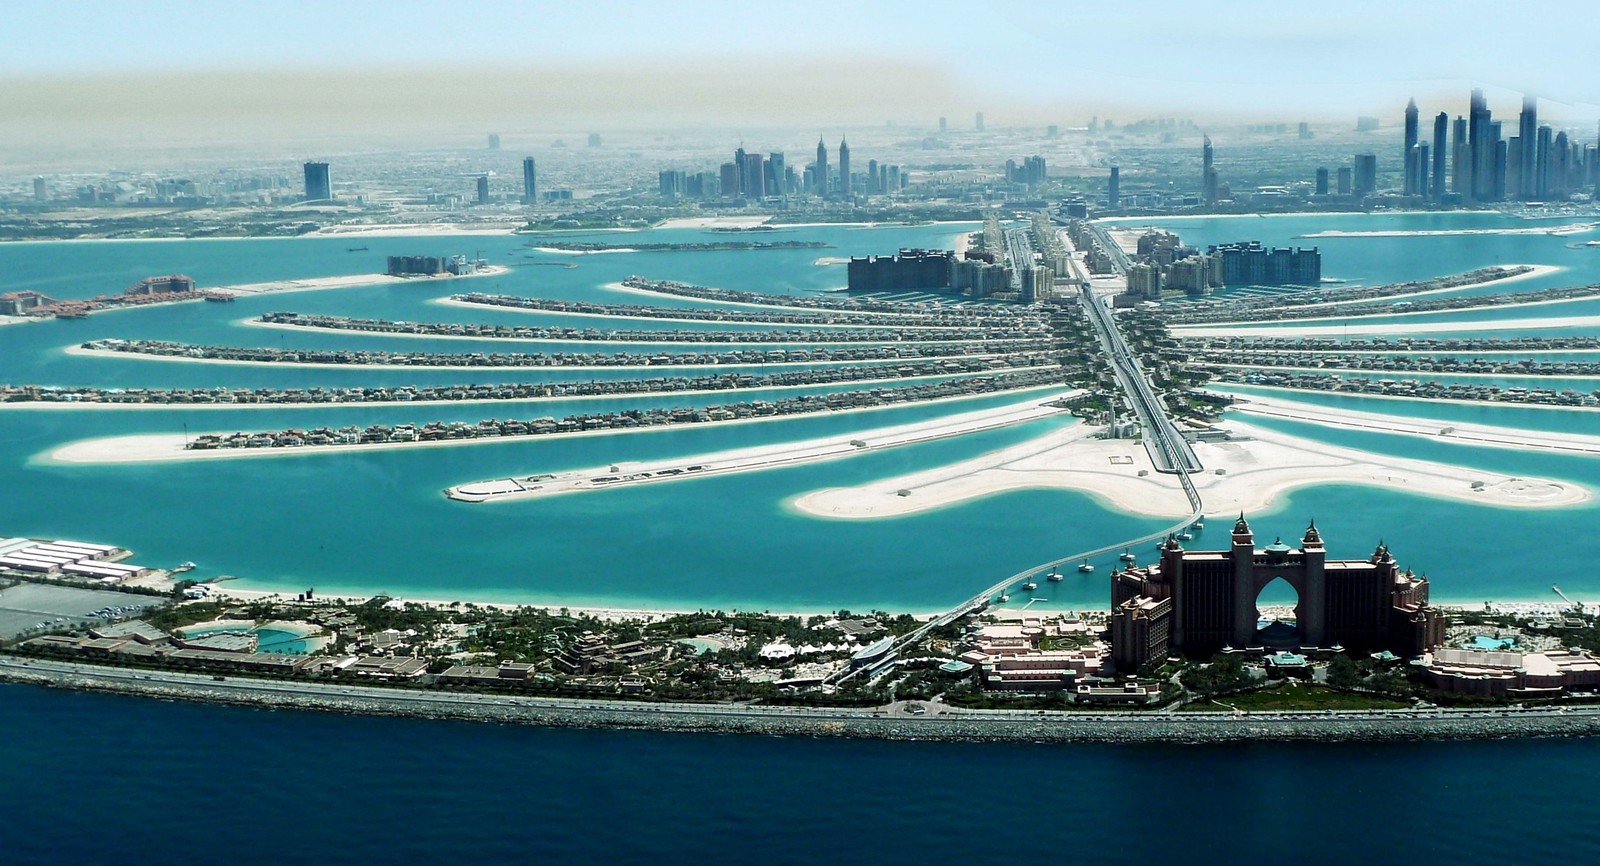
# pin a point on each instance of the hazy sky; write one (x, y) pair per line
(250, 66)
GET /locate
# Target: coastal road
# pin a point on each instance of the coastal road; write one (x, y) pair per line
(937, 722)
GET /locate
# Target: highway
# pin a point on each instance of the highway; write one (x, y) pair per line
(1169, 451)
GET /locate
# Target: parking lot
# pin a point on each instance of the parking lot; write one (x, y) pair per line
(24, 606)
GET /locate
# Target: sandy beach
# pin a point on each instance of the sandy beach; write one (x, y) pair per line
(692, 345)
(1430, 428)
(1538, 271)
(1257, 467)
(749, 459)
(416, 230)
(511, 371)
(163, 447)
(1360, 328)
(452, 302)
(707, 222)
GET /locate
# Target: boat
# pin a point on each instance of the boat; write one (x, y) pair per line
(1127, 556)
(1054, 576)
(1085, 568)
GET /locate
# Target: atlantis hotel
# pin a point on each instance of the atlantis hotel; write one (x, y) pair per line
(1200, 602)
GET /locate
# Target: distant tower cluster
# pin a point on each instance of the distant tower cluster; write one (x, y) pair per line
(1471, 159)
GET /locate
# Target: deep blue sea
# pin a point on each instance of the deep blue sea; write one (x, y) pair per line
(90, 778)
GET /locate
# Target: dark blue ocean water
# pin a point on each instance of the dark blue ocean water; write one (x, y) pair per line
(91, 778)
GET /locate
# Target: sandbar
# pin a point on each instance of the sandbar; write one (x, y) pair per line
(1355, 325)
(754, 328)
(167, 447)
(628, 473)
(309, 284)
(1258, 466)
(452, 302)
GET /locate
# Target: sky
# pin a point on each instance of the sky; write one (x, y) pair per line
(275, 64)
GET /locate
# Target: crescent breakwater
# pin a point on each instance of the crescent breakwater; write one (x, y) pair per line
(1231, 307)
(938, 723)
(447, 330)
(439, 431)
(944, 317)
(163, 349)
(34, 395)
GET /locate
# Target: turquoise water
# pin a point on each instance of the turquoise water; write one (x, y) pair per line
(375, 521)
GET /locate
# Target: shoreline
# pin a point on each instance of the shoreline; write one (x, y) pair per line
(752, 328)
(78, 349)
(168, 447)
(891, 722)
(1260, 468)
(701, 392)
(754, 459)
(452, 302)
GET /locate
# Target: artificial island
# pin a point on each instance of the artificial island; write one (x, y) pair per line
(1119, 342)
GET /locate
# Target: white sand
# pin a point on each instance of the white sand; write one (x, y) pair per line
(318, 283)
(161, 447)
(1358, 327)
(419, 230)
(1538, 271)
(1257, 472)
(451, 302)
(713, 222)
(513, 372)
(1429, 428)
(688, 345)
(752, 459)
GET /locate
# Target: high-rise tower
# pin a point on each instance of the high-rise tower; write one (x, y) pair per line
(1441, 132)
(844, 168)
(318, 186)
(822, 167)
(1413, 172)
(1208, 173)
(1527, 132)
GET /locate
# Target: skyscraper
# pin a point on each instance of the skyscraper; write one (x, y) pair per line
(1528, 131)
(1114, 189)
(1543, 178)
(1208, 173)
(530, 181)
(1413, 171)
(1460, 172)
(844, 168)
(318, 185)
(1366, 174)
(822, 168)
(1441, 131)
